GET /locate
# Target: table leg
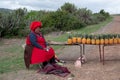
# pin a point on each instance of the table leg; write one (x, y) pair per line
(103, 55)
(83, 49)
(100, 52)
(80, 50)
(80, 53)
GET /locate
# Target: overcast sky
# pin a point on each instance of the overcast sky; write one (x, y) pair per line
(111, 6)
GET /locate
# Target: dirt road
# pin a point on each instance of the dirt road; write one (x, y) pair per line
(91, 70)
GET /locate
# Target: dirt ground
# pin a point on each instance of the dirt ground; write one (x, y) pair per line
(93, 69)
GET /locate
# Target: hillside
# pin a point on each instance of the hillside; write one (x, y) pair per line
(4, 10)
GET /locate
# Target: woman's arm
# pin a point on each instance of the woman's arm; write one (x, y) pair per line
(33, 40)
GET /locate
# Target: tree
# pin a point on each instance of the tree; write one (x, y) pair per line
(84, 15)
(68, 7)
(105, 14)
(11, 24)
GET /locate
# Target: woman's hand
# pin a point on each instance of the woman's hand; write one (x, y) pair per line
(47, 48)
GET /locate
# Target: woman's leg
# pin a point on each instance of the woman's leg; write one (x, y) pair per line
(52, 60)
(44, 64)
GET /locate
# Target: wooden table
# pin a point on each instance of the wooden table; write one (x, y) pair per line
(82, 49)
(100, 51)
(65, 44)
(103, 50)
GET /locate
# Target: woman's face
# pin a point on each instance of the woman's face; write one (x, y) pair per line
(37, 30)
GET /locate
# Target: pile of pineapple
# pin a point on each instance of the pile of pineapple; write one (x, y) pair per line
(98, 39)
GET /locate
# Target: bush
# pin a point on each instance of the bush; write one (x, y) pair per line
(68, 17)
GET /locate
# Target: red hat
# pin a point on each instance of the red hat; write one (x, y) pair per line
(35, 24)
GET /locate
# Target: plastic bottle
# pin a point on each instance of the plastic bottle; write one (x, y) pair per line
(78, 63)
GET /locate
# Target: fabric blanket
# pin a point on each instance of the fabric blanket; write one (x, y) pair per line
(55, 69)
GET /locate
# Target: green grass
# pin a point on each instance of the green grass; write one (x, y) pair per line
(11, 57)
(11, 64)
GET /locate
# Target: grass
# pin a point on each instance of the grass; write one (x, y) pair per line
(11, 57)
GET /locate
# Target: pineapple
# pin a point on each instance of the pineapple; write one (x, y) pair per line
(110, 39)
(93, 39)
(79, 39)
(88, 41)
(115, 40)
(84, 39)
(119, 38)
(97, 42)
(106, 39)
(69, 41)
(74, 39)
(102, 39)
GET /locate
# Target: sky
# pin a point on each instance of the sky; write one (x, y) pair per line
(111, 6)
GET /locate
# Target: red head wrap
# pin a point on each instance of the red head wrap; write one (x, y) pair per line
(35, 24)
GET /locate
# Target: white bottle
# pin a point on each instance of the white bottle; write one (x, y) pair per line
(78, 63)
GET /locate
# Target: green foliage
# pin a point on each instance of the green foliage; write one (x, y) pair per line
(68, 7)
(67, 17)
(13, 22)
(84, 15)
(105, 14)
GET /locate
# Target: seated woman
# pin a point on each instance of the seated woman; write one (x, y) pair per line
(36, 50)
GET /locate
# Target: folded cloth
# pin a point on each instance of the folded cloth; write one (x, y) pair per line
(55, 69)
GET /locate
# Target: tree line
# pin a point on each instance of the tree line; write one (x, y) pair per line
(67, 17)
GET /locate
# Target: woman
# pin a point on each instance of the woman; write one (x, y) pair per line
(36, 50)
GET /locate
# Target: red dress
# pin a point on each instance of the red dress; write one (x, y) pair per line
(40, 55)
